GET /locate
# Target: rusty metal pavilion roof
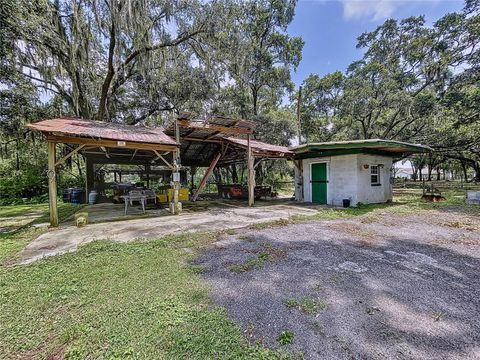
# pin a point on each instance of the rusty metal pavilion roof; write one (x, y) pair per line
(102, 130)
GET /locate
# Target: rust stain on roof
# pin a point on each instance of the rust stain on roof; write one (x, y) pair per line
(102, 130)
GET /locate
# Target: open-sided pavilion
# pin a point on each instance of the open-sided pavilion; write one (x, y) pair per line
(218, 141)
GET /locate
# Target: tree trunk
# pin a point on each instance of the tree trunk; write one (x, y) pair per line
(102, 107)
(17, 154)
(476, 168)
(464, 168)
(78, 165)
(255, 101)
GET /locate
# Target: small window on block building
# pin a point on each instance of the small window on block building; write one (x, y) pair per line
(374, 175)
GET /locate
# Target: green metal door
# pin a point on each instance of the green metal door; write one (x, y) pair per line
(319, 183)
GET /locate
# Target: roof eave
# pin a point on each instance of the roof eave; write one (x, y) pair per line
(370, 144)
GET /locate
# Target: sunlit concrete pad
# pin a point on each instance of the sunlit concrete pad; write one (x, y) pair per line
(217, 217)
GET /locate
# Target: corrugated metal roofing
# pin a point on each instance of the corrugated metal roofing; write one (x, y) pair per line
(212, 128)
(258, 146)
(221, 120)
(103, 130)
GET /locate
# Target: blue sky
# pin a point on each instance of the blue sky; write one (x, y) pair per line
(330, 28)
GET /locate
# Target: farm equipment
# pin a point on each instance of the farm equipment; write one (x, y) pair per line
(237, 191)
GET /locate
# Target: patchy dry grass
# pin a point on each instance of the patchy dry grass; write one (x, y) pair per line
(306, 305)
(270, 224)
(406, 202)
(464, 224)
(265, 253)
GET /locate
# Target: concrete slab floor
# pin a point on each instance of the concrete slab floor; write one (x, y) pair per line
(67, 237)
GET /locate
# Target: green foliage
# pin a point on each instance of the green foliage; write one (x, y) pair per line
(24, 177)
(286, 337)
(415, 83)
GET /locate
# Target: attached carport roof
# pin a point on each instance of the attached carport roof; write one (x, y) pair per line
(201, 140)
(377, 146)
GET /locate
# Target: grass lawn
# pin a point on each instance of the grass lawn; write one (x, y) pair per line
(136, 300)
(406, 201)
(18, 221)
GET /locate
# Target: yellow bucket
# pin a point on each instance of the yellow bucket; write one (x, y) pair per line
(183, 194)
(162, 198)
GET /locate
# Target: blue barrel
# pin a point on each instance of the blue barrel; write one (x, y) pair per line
(67, 195)
(77, 196)
(92, 197)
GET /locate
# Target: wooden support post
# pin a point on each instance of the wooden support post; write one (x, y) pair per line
(89, 176)
(52, 185)
(299, 124)
(147, 172)
(251, 174)
(177, 139)
(206, 176)
(175, 206)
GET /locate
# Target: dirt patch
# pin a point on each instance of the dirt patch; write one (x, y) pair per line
(408, 294)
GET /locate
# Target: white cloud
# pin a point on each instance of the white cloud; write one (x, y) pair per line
(373, 9)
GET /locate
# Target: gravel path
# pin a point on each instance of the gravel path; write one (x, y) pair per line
(389, 286)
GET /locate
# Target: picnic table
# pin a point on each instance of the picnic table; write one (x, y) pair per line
(134, 196)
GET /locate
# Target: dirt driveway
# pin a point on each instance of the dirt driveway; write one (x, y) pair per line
(386, 286)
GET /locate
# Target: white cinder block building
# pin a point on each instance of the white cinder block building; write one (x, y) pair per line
(358, 171)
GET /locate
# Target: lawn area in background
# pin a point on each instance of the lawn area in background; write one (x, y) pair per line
(17, 225)
(136, 300)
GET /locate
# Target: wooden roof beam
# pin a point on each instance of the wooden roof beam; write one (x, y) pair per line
(222, 129)
(109, 143)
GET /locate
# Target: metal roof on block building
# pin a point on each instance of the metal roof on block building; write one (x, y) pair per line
(378, 146)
